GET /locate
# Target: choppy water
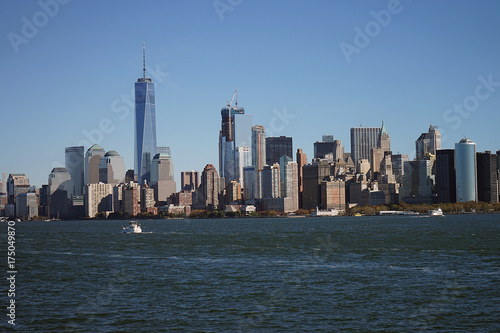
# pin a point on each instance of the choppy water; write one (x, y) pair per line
(368, 274)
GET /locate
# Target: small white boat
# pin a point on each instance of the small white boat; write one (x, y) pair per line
(133, 228)
(436, 212)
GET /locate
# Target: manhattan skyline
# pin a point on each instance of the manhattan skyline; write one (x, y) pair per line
(428, 63)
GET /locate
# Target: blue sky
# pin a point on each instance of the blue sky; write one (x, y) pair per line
(301, 67)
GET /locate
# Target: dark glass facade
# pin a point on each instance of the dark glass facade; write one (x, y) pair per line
(445, 176)
(277, 147)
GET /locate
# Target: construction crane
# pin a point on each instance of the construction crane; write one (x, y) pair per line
(235, 96)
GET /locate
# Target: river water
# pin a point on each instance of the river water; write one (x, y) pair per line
(358, 274)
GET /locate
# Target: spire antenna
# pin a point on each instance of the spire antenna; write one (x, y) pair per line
(143, 60)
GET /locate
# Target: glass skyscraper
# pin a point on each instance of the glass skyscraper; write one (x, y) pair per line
(465, 170)
(145, 126)
(74, 161)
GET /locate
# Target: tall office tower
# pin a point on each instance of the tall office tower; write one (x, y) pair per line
(283, 161)
(329, 146)
(26, 206)
(112, 168)
(446, 187)
(92, 162)
(313, 176)
(417, 182)
(227, 165)
(145, 125)
(98, 198)
(249, 183)
(164, 150)
(277, 147)
(75, 164)
(190, 180)
(384, 141)
(487, 173)
(398, 166)
(271, 186)
(243, 159)
(162, 178)
(59, 191)
(16, 183)
(301, 161)
(258, 147)
(258, 157)
(428, 143)
(363, 139)
(291, 184)
(209, 187)
(465, 169)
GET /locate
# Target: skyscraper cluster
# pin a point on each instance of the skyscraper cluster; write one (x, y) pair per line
(255, 172)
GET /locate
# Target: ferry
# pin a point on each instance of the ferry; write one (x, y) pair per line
(436, 212)
(133, 228)
(398, 212)
(329, 212)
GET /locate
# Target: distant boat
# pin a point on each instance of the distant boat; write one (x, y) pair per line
(398, 212)
(133, 228)
(436, 212)
(330, 212)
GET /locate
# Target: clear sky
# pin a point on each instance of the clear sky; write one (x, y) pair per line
(303, 68)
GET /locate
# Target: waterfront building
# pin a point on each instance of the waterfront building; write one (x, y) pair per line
(243, 159)
(148, 200)
(59, 192)
(314, 174)
(332, 194)
(428, 143)
(233, 192)
(26, 206)
(398, 161)
(131, 199)
(16, 183)
(92, 162)
(75, 164)
(145, 126)
(445, 176)
(190, 180)
(258, 157)
(98, 199)
(271, 186)
(301, 161)
(363, 139)
(162, 178)
(277, 147)
(291, 184)
(249, 183)
(465, 169)
(418, 182)
(210, 187)
(487, 177)
(112, 168)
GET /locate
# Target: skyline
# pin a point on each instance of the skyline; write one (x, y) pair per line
(286, 60)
